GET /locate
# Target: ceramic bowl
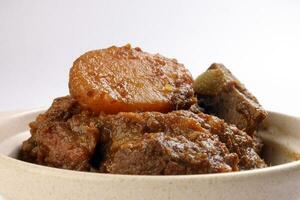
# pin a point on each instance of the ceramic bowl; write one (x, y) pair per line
(21, 180)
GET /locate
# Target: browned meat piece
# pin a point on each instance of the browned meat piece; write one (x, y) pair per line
(257, 141)
(160, 153)
(236, 141)
(179, 142)
(63, 137)
(221, 94)
(127, 79)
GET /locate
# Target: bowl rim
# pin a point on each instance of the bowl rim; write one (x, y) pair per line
(40, 169)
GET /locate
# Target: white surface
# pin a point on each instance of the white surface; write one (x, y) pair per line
(258, 40)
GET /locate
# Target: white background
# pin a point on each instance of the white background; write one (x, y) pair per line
(258, 40)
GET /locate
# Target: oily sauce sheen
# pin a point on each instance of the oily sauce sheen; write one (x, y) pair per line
(131, 112)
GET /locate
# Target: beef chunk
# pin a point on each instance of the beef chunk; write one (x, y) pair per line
(159, 153)
(63, 137)
(221, 94)
(236, 141)
(179, 142)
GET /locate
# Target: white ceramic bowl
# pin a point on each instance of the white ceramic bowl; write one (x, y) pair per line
(21, 180)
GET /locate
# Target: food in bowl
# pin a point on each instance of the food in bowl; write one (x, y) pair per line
(131, 112)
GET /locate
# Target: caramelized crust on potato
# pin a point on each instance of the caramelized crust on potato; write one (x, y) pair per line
(127, 79)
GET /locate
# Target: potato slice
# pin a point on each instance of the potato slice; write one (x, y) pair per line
(126, 79)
